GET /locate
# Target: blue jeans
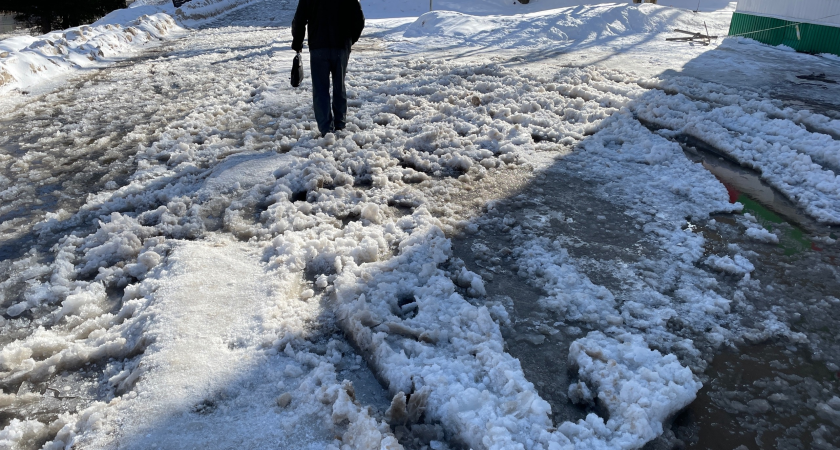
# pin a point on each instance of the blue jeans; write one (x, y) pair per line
(325, 63)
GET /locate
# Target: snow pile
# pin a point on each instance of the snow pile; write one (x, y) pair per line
(580, 25)
(26, 60)
(378, 9)
(192, 14)
(639, 387)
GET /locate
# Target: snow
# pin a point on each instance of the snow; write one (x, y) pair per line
(206, 369)
(28, 60)
(799, 163)
(735, 266)
(553, 26)
(761, 234)
(440, 338)
(381, 9)
(499, 407)
(246, 250)
(639, 387)
(191, 14)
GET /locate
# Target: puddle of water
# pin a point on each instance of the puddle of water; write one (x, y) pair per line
(793, 239)
(762, 397)
(771, 209)
(738, 387)
(759, 198)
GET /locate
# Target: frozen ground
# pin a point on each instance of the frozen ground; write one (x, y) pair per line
(539, 231)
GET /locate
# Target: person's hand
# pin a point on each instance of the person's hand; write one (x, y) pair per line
(297, 48)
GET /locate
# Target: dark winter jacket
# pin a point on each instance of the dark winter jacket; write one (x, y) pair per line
(332, 23)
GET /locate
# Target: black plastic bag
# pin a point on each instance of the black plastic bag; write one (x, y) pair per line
(297, 70)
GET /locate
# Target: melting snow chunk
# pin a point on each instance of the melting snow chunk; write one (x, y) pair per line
(737, 265)
(639, 387)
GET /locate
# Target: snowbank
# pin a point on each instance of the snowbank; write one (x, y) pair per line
(25, 60)
(192, 14)
(582, 24)
(379, 9)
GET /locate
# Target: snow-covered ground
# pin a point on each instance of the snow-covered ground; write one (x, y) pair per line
(42, 62)
(507, 248)
(26, 61)
(383, 9)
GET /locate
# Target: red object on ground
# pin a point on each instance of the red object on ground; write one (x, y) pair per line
(733, 193)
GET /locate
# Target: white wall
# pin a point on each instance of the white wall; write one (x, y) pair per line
(824, 12)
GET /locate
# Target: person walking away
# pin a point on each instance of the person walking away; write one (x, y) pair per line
(334, 26)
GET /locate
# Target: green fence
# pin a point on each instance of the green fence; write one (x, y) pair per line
(803, 37)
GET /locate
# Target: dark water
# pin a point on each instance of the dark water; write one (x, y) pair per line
(762, 394)
(767, 395)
